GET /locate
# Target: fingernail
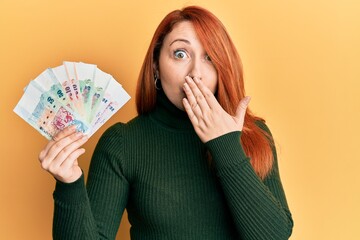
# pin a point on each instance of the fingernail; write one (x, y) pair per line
(72, 127)
(186, 86)
(78, 134)
(188, 79)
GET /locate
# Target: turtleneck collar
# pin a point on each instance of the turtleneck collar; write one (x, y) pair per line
(166, 113)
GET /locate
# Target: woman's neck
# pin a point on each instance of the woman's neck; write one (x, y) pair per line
(168, 114)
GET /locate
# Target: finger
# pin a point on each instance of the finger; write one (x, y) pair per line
(198, 96)
(190, 112)
(192, 101)
(58, 146)
(64, 133)
(69, 171)
(67, 151)
(71, 160)
(208, 95)
(241, 109)
(60, 135)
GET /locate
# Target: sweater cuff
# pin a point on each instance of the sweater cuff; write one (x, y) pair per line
(70, 193)
(226, 150)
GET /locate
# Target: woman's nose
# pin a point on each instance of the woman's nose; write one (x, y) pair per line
(195, 69)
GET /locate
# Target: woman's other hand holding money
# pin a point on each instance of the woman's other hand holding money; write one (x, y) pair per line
(59, 157)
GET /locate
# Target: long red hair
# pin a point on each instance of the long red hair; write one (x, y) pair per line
(218, 45)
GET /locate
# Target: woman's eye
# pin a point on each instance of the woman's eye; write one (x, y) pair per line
(207, 58)
(180, 54)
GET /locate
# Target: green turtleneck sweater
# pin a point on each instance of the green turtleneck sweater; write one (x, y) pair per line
(155, 166)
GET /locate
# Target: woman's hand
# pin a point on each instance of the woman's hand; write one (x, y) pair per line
(59, 157)
(207, 116)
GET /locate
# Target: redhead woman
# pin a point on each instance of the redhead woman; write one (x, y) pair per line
(195, 163)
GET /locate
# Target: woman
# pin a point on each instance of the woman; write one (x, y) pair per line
(195, 163)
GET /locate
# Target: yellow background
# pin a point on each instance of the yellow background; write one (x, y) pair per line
(301, 63)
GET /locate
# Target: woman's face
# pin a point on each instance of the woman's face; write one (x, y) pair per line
(181, 55)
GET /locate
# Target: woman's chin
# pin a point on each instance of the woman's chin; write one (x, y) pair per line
(180, 106)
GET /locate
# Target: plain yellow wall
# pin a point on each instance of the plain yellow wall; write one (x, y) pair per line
(302, 69)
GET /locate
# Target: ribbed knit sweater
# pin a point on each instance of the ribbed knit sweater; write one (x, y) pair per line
(156, 167)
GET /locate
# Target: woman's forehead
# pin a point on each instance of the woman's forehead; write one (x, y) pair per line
(183, 31)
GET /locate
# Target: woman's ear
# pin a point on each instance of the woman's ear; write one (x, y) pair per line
(156, 70)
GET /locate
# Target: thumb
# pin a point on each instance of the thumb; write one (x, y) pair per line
(241, 109)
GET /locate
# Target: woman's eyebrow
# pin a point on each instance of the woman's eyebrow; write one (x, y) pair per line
(180, 40)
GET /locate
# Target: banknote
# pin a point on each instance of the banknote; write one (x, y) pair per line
(47, 82)
(86, 74)
(114, 98)
(74, 93)
(64, 74)
(71, 73)
(47, 115)
(101, 82)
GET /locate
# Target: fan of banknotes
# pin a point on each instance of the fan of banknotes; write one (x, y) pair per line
(74, 93)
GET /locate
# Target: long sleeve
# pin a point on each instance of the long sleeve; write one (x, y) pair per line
(94, 211)
(259, 208)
